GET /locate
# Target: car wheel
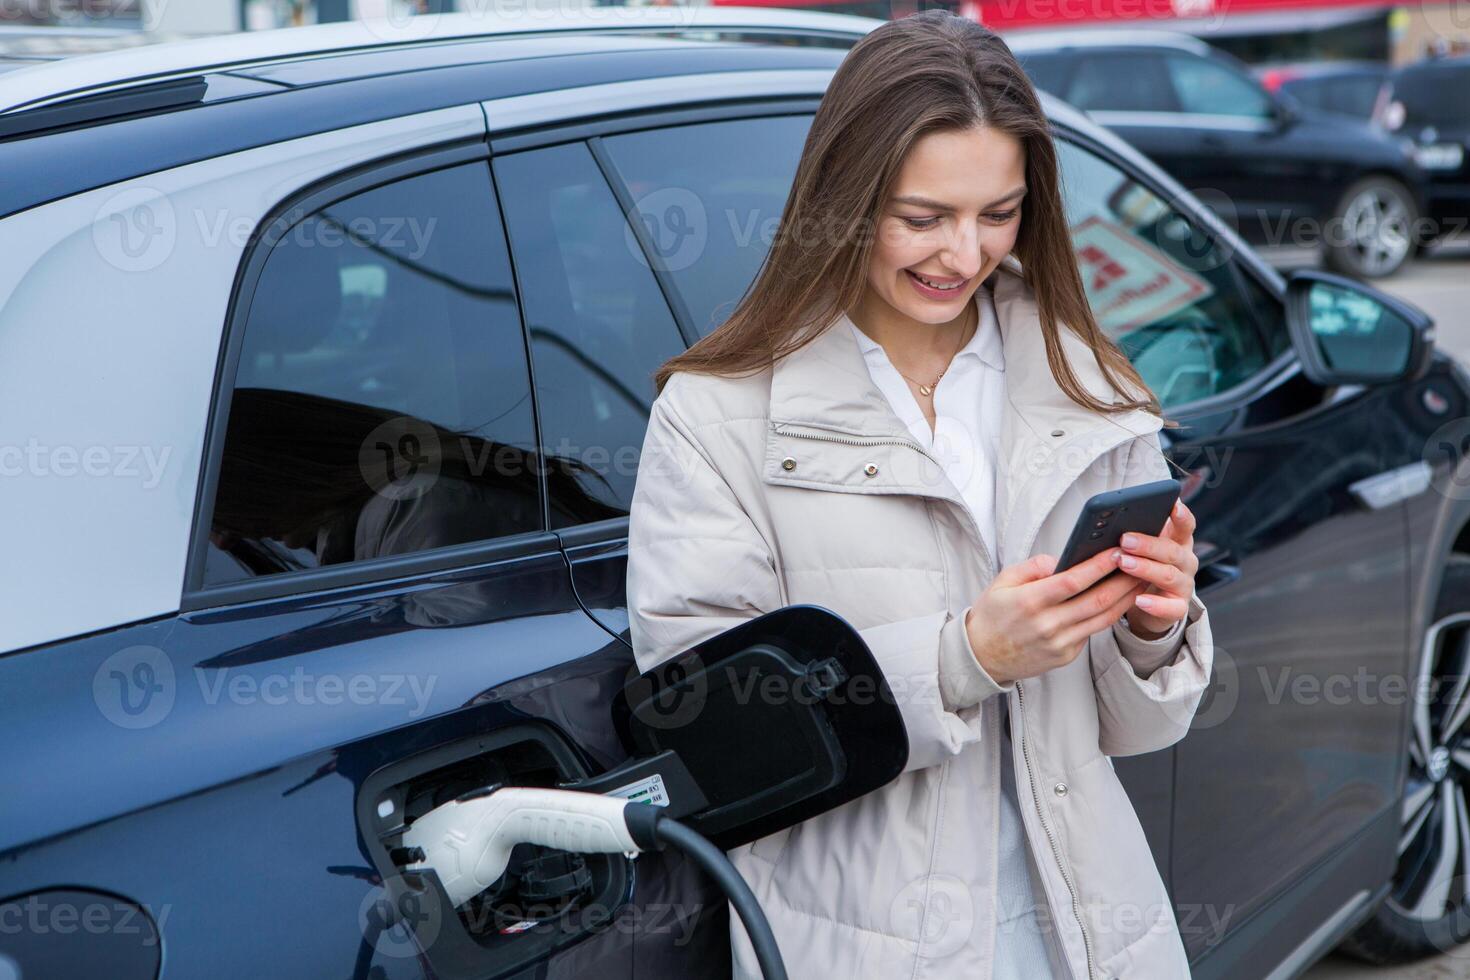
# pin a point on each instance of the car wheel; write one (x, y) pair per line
(1370, 234)
(1427, 909)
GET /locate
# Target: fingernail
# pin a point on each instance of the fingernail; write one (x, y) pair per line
(1145, 601)
(1129, 561)
(1116, 554)
(1130, 541)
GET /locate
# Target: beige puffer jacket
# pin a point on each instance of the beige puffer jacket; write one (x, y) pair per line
(800, 485)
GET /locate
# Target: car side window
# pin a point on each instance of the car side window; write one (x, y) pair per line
(1205, 87)
(598, 323)
(1159, 285)
(1132, 82)
(710, 197)
(381, 399)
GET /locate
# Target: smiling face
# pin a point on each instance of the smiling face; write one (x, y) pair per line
(954, 213)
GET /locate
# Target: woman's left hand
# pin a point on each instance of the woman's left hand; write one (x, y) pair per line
(1167, 563)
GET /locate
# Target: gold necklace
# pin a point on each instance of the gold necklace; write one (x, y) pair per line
(927, 389)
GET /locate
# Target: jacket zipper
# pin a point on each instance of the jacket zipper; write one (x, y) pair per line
(1020, 700)
(1056, 853)
(974, 528)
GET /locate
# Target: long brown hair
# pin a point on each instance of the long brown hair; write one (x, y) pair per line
(927, 72)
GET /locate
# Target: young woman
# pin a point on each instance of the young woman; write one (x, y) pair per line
(900, 422)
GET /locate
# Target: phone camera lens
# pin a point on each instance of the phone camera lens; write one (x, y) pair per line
(1095, 534)
(1100, 523)
(1104, 513)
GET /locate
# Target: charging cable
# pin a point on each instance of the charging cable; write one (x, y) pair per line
(468, 842)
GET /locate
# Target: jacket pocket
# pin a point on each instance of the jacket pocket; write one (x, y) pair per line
(1120, 890)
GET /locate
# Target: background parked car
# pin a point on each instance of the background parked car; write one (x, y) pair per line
(1425, 105)
(1428, 104)
(1282, 174)
(1349, 88)
(332, 365)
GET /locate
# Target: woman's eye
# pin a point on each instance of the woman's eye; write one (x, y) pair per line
(999, 217)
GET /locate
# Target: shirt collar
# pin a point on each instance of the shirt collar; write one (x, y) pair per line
(985, 344)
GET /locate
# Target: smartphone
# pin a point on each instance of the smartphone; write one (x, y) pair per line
(1107, 516)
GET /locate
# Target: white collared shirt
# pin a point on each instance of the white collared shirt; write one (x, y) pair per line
(968, 403)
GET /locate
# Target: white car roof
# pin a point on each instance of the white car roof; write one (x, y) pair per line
(1047, 40)
(50, 81)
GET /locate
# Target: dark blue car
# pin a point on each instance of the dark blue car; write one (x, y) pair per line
(325, 360)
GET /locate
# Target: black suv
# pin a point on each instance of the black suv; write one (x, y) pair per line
(1281, 173)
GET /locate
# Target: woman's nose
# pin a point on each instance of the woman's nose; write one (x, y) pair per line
(964, 254)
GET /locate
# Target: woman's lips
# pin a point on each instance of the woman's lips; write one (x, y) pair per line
(929, 292)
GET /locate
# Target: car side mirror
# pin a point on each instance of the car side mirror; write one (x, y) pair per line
(770, 723)
(1348, 333)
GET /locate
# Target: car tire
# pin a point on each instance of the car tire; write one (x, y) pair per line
(1418, 919)
(1370, 234)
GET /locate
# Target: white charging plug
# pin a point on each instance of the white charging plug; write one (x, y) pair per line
(468, 842)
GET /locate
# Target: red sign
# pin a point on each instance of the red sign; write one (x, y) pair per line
(1003, 14)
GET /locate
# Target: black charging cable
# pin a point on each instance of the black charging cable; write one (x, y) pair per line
(652, 831)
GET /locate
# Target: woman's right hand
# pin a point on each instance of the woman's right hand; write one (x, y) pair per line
(1030, 621)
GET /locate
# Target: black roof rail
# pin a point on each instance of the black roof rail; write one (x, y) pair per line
(171, 94)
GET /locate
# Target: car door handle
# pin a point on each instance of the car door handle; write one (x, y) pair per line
(1392, 486)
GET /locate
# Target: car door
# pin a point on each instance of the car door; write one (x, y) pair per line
(1304, 572)
(605, 252)
(380, 617)
(1243, 152)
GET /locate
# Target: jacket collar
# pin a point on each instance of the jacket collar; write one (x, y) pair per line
(1046, 439)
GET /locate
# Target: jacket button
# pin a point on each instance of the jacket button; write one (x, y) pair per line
(871, 469)
(1058, 432)
(1060, 789)
(789, 463)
